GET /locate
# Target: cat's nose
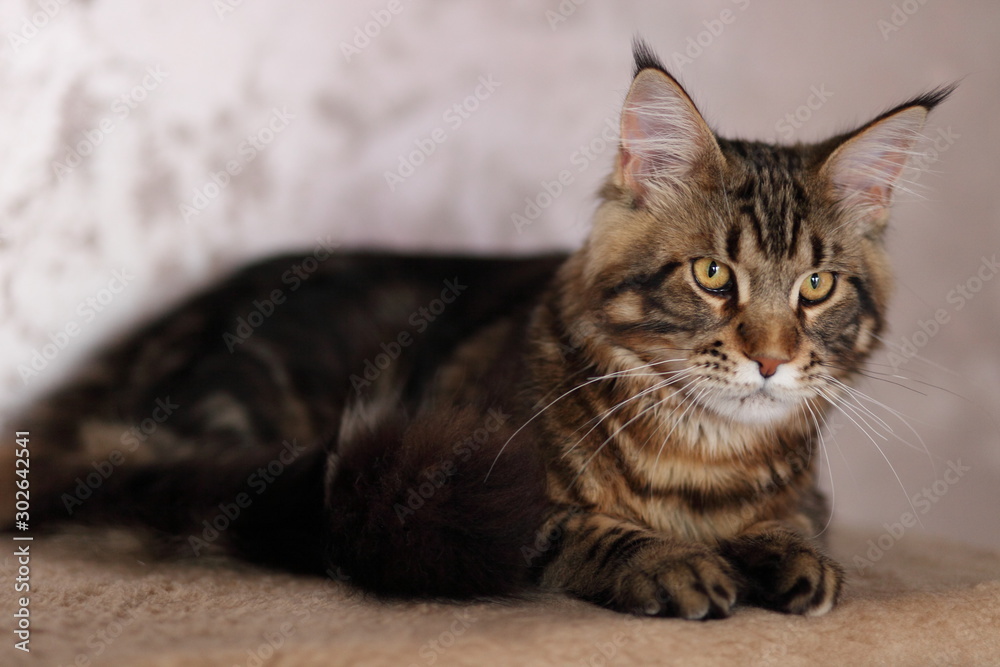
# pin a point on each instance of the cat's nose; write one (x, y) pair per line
(768, 366)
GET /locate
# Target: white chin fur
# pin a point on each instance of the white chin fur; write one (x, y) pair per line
(753, 400)
(757, 408)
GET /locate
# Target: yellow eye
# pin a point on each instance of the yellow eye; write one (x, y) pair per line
(712, 275)
(817, 286)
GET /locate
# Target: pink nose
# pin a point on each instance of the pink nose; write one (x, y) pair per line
(768, 366)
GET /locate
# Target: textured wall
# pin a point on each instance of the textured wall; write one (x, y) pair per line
(115, 116)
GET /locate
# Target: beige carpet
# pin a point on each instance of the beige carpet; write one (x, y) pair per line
(99, 599)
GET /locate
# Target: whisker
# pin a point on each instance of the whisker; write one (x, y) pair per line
(853, 393)
(832, 430)
(831, 398)
(607, 413)
(539, 413)
(826, 454)
(986, 411)
(623, 426)
(629, 371)
(556, 387)
(888, 343)
(845, 405)
(692, 401)
(858, 395)
(680, 375)
(872, 375)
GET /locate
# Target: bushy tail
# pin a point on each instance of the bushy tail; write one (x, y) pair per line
(437, 509)
(266, 507)
(433, 507)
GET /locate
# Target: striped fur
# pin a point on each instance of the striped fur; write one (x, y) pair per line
(607, 424)
(684, 473)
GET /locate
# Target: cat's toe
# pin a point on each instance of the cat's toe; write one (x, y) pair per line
(798, 580)
(817, 582)
(693, 584)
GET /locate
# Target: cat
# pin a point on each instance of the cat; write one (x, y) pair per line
(635, 424)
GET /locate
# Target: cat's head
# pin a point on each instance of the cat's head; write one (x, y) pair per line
(758, 269)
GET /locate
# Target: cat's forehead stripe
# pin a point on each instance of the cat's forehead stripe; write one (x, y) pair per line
(733, 243)
(818, 250)
(773, 201)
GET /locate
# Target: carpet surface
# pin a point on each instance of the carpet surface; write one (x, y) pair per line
(100, 599)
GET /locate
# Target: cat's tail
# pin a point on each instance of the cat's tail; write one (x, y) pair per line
(264, 506)
(437, 507)
(446, 504)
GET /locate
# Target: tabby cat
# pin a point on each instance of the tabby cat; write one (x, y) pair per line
(636, 424)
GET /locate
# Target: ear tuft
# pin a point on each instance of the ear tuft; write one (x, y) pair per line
(666, 145)
(645, 57)
(864, 170)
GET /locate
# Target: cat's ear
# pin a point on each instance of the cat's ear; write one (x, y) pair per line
(666, 145)
(864, 170)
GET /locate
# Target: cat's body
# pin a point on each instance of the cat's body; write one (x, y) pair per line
(354, 348)
(636, 424)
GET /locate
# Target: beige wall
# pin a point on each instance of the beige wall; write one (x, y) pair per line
(168, 94)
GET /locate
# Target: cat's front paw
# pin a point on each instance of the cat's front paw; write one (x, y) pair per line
(786, 573)
(666, 579)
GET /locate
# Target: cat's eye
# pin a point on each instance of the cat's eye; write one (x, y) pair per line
(713, 275)
(817, 287)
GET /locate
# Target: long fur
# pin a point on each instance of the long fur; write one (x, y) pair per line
(412, 515)
(648, 463)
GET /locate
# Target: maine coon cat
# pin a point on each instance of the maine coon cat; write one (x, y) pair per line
(636, 423)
